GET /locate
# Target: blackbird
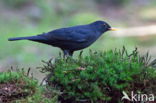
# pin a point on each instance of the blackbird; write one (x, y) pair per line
(71, 39)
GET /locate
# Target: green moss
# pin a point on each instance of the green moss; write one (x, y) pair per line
(17, 87)
(100, 76)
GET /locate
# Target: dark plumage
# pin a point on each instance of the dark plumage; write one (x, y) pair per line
(72, 38)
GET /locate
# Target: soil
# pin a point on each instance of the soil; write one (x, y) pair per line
(10, 91)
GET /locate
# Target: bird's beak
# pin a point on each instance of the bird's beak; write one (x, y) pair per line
(113, 29)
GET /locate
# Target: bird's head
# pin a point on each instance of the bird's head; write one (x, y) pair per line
(102, 26)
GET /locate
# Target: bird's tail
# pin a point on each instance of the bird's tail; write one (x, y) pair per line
(17, 38)
(32, 38)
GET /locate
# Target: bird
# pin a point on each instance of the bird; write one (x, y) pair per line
(71, 39)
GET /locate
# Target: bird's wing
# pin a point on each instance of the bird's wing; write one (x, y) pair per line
(76, 34)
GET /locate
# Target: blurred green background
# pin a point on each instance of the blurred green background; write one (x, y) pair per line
(31, 17)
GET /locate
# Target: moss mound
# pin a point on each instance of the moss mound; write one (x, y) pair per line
(17, 87)
(101, 76)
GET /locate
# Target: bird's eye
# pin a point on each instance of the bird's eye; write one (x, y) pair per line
(104, 25)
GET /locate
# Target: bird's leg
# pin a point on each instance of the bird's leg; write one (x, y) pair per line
(71, 53)
(67, 53)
